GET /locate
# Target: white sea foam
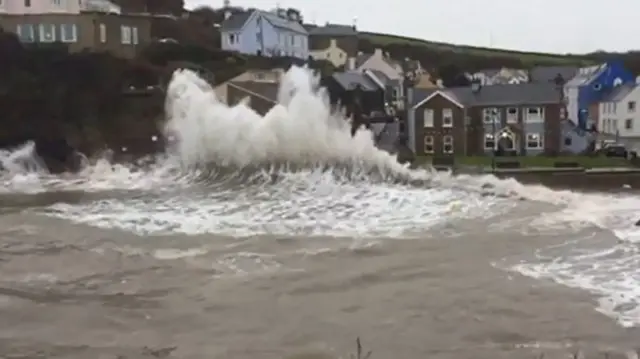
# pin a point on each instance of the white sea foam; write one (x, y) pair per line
(225, 173)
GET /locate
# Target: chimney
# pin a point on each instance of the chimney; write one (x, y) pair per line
(476, 86)
(351, 64)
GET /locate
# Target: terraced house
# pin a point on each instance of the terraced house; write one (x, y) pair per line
(96, 25)
(513, 119)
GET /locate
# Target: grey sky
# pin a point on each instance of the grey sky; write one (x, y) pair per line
(559, 26)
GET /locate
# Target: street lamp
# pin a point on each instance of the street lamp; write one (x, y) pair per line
(494, 117)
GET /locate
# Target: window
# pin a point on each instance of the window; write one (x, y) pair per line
(134, 35)
(26, 33)
(232, 38)
(428, 117)
(628, 124)
(56, 2)
(614, 125)
(68, 33)
(125, 35)
(447, 144)
(534, 141)
(447, 117)
(428, 144)
(27, 3)
(614, 107)
(47, 33)
(394, 94)
(534, 114)
(489, 115)
(512, 115)
(631, 106)
(489, 142)
(567, 141)
(103, 33)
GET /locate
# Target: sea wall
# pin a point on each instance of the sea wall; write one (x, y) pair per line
(601, 179)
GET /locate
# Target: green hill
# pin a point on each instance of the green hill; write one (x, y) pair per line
(383, 40)
(447, 61)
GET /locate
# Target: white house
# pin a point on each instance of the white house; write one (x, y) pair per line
(619, 114)
(271, 34)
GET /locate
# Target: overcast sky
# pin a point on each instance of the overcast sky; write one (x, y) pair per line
(559, 26)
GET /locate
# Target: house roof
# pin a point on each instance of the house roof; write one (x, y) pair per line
(498, 95)
(265, 90)
(236, 21)
(332, 30)
(619, 93)
(549, 73)
(362, 58)
(349, 80)
(585, 75)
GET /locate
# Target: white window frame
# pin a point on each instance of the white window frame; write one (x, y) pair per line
(56, 2)
(31, 33)
(537, 117)
(488, 137)
(428, 142)
(66, 37)
(103, 33)
(491, 115)
(628, 124)
(125, 35)
(134, 35)
(447, 113)
(539, 142)
(631, 106)
(512, 117)
(428, 115)
(447, 141)
(42, 32)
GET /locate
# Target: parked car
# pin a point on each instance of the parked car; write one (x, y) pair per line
(617, 150)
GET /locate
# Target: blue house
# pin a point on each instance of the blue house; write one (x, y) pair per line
(590, 85)
(271, 34)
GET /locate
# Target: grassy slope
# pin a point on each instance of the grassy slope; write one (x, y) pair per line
(534, 57)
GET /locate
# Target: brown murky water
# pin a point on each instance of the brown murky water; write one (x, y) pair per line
(72, 291)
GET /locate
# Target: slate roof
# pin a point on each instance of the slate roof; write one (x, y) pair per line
(349, 80)
(266, 90)
(499, 95)
(237, 21)
(619, 93)
(549, 73)
(332, 30)
(362, 58)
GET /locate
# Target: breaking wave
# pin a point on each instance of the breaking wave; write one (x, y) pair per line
(297, 170)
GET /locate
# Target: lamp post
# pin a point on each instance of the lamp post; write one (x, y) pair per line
(494, 116)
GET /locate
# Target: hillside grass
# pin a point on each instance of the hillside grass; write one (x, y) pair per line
(525, 56)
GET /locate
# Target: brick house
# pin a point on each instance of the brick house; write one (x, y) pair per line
(516, 119)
